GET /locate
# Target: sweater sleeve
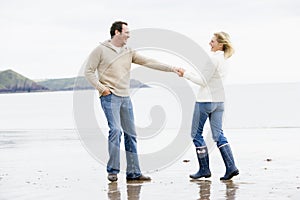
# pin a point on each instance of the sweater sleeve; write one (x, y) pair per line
(90, 69)
(151, 63)
(207, 71)
(197, 79)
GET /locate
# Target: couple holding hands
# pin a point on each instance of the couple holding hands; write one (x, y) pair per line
(112, 59)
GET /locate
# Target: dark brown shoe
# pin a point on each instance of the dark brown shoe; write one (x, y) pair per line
(112, 177)
(140, 178)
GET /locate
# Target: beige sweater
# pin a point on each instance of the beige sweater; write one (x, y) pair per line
(113, 68)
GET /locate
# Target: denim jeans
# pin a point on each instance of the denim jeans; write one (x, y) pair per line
(119, 114)
(213, 111)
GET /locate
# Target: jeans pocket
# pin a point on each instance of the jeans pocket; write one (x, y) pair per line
(106, 97)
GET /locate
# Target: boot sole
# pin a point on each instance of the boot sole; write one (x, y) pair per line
(208, 176)
(235, 173)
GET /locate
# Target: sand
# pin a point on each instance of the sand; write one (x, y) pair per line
(53, 164)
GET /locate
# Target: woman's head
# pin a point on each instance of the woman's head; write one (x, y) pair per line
(221, 42)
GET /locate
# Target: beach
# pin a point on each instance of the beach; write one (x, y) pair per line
(43, 164)
(44, 154)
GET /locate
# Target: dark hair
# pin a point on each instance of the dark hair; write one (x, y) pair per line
(116, 26)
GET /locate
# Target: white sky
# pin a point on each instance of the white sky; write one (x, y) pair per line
(52, 38)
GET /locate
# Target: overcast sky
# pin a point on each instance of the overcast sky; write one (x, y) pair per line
(52, 38)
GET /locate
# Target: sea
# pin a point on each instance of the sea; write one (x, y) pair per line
(247, 106)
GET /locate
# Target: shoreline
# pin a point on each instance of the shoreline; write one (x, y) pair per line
(44, 165)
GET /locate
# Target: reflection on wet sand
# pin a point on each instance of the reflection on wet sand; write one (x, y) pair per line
(133, 191)
(205, 188)
(113, 191)
(231, 189)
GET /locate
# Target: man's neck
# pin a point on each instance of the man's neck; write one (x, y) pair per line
(116, 43)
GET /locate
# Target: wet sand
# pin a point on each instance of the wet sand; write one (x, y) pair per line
(53, 164)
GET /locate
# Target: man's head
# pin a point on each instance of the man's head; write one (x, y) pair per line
(119, 32)
(116, 26)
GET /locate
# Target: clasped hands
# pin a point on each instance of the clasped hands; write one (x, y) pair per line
(179, 71)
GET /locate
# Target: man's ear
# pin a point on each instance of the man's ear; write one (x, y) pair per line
(117, 32)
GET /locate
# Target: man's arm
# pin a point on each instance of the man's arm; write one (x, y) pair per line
(151, 63)
(90, 69)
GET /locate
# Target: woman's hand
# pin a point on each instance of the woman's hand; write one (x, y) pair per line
(181, 72)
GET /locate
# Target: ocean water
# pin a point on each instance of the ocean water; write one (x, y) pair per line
(163, 116)
(263, 106)
(248, 106)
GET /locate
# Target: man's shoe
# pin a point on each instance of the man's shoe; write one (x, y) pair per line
(140, 178)
(112, 177)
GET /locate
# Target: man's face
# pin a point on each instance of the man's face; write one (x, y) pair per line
(124, 35)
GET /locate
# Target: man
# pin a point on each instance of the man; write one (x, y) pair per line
(112, 60)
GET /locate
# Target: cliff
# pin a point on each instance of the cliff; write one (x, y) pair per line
(78, 83)
(11, 81)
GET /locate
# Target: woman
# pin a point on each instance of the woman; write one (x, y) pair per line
(210, 104)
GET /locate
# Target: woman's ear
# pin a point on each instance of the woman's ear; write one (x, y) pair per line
(221, 46)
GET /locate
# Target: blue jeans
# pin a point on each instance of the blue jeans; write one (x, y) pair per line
(213, 111)
(119, 114)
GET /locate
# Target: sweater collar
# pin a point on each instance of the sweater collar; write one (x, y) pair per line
(108, 44)
(218, 52)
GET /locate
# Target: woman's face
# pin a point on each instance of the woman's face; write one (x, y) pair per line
(215, 45)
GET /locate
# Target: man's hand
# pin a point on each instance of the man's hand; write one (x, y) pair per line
(179, 71)
(106, 92)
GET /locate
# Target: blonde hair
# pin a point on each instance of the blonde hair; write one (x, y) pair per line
(224, 38)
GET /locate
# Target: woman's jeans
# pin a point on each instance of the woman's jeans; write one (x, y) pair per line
(119, 114)
(213, 111)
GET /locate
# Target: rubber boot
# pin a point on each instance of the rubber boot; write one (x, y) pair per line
(204, 171)
(231, 169)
